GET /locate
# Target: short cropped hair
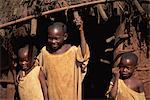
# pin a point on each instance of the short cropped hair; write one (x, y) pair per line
(131, 56)
(59, 25)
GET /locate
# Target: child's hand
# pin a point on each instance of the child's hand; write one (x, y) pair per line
(20, 76)
(116, 73)
(78, 21)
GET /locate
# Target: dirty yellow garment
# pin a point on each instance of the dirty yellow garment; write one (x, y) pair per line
(64, 72)
(30, 88)
(125, 93)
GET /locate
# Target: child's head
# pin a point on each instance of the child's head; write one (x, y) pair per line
(128, 64)
(26, 57)
(57, 34)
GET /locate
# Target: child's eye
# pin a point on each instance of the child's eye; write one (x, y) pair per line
(121, 65)
(50, 38)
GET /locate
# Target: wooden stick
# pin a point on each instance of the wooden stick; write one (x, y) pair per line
(6, 81)
(102, 12)
(120, 6)
(123, 36)
(104, 61)
(139, 7)
(116, 6)
(76, 14)
(109, 49)
(33, 27)
(110, 39)
(53, 11)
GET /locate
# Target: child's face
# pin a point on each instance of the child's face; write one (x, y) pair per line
(24, 61)
(127, 68)
(56, 38)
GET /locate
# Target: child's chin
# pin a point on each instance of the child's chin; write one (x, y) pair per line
(55, 48)
(125, 77)
(25, 69)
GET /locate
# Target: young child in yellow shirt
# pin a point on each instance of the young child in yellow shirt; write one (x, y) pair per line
(31, 86)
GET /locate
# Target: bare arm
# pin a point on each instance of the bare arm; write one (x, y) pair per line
(43, 85)
(141, 86)
(114, 89)
(83, 41)
(79, 24)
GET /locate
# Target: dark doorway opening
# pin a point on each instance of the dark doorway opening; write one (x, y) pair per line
(99, 74)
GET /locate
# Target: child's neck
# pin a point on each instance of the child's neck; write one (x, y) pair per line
(129, 82)
(132, 84)
(61, 50)
(128, 79)
(27, 71)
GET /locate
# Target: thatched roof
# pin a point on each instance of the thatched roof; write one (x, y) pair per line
(11, 10)
(16, 15)
(15, 9)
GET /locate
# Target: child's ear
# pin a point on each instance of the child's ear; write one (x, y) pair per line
(65, 36)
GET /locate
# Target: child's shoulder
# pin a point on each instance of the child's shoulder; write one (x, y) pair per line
(67, 47)
(137, 81)
(138, 84)
(43, 48)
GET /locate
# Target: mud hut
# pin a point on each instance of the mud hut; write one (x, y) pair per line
(112, 27)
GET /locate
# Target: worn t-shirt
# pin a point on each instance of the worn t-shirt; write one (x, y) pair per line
(64, 72)
(125, 93)
(30, 88)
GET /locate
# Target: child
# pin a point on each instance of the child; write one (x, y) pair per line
(127, 87)
(29, 87)
(64, 65)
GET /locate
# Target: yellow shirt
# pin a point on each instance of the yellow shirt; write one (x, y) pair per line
(30, 88)
(64, 72)
(125, 93)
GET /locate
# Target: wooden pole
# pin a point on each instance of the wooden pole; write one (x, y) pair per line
(6, 81)
(53, 11)
(102, 12)
(139, 7)
(33, 27)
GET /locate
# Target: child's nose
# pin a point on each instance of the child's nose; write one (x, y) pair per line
(125, 69)
(24, 62)
(53, 41)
